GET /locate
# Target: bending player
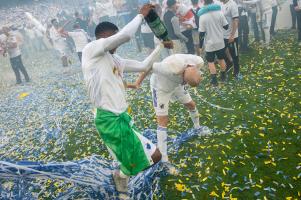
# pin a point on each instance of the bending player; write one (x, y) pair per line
(168, 84)
(103, 71)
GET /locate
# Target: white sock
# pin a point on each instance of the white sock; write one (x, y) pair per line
(162, 142)
(194, 115)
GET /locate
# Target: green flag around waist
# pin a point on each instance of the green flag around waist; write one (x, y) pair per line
(117, 132)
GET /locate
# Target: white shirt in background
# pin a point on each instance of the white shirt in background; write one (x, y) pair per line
(13, 52)
(80, 38)
(230, 10)
(212, 24)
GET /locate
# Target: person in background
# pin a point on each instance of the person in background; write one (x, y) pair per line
(230, 10)
(252, 12)
(80, 38)
(243, 26)
(195, 32)
(275, 5)
(293, 14)
(264, 12)
(172, 23)
(11, 46)
(82, 23)
(187, 24)
(297, 6)
(59, 41)
(212, 26)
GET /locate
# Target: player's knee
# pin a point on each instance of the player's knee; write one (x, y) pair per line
(191, 105)
(157, 156)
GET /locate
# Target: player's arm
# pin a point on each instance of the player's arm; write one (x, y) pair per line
(235, 21)
(106, 44)
(176, 26)
(139, 80)
(144, 66)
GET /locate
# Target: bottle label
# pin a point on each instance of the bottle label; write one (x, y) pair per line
(157, 27)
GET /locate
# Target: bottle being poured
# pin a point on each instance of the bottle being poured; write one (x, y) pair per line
(158, 28)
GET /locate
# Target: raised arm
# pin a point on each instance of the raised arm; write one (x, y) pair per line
(136, 66)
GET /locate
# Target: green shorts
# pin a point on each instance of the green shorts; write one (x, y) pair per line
(126, 144)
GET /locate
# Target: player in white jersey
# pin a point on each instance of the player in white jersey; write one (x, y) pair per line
(80, 38)
(168, 83)
(103, 74)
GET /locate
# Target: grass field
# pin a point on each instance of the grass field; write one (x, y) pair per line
(254, 153)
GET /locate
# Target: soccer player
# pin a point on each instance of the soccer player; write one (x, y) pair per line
(59, 41)
(230, 10)
(80, 38)
(168, 84)
(211, 27)
(103, 72)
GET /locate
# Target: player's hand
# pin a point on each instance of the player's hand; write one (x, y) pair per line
(168, 44)
(231, 39)
(145, 9)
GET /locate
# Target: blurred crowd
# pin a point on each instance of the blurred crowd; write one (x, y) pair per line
(194, 26)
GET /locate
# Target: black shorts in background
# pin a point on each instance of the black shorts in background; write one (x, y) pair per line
(220, 54)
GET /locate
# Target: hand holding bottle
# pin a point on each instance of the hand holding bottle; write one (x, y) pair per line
(146, 9)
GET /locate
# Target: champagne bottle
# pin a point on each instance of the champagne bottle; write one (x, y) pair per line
(156, 25)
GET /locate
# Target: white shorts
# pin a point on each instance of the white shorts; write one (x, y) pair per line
(196, 37)
(161, 99)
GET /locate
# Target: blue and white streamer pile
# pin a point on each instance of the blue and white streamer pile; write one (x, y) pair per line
(89, 178)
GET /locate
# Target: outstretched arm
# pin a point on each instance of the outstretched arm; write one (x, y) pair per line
(103, 45)
(146, 65)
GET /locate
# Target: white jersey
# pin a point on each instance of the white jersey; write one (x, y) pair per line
(80, 38)
(103, 71)
(230, 10)
(212, 24)
(59, 42)
(168, 74)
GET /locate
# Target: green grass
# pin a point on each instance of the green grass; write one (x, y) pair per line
(256, 150)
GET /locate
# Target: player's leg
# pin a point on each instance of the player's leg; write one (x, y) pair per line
(221, 55)
(183, 96)
(161, 103)
(210, 56)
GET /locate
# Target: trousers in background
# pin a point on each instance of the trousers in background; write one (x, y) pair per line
(189, 44)
(274, 17)
(254, 26)
(294, 16)
(243, 30)
(298, 14)
(233, 49)
(18, 67)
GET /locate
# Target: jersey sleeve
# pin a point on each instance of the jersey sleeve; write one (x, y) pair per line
(234, 10)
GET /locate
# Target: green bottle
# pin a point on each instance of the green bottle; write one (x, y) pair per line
(156, 25)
